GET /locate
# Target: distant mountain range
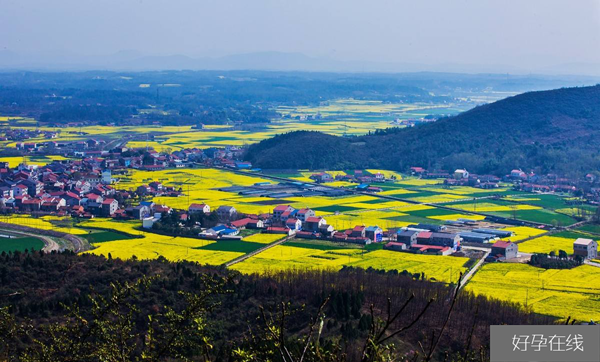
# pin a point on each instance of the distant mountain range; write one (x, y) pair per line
(276, 61)
(546, 131)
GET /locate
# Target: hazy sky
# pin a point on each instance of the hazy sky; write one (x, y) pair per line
(523, 33)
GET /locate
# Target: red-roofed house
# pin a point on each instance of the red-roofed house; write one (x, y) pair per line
(280, 210)
(19, 190)
(279, 230)
(423, 237)
(304, 214)
(338, 236)
(293, 224)
(241, 224)
(198, 208)
(313, 223)
(358, 231)
(109, 206)
(505, 249)
(395, 246)
(431, 249)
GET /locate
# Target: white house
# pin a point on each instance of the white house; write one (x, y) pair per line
(198, 208)
(587, 248)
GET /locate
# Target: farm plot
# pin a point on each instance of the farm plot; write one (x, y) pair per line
(557, 292)
(307, 256)
(20, 244)
(55, 223)
(523, 232)
(151, 246)
(555, 242)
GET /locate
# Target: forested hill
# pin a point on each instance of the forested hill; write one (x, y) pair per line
(547, 131)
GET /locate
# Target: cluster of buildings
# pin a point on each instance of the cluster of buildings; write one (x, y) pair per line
(588, 187)
(76, 188)
(425, 239)
(22, 134)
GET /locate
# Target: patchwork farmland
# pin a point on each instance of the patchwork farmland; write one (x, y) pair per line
(535, 221)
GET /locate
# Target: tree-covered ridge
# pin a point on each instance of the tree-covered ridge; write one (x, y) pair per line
(89, 308)
(547, 131)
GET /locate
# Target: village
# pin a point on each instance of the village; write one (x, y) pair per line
(88, 188)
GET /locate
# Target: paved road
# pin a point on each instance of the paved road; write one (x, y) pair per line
(474, 269)
(49, 244)
(592, 263)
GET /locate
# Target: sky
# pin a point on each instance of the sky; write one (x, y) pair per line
(524, 34)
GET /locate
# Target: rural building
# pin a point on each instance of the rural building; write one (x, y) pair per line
(241, 223)
(472, 237)
(307, 235)
(358, 232)
(339, 236)
(314, 223)
(280, 210)
(256, 224)
(109, 207)
(148, 222)
(279, 230)
(293, 224)
(374, 233)
(445, 239)
(395, 246)
(461, 174)
(424, 237)
(505, 249)
(430, 249)
(226, 212)
(222, 230)
(497, 232)
(587, 248)
(326, 229)
(140, 212)
(407, 237)
(304, 214)
(359, 240)
(430, 227)
(198, 208)
(321, 177)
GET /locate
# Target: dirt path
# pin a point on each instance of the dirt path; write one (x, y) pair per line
(257, 251)
(46, 236)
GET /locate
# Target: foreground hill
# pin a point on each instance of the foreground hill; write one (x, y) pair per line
(221, 318)
(547, 131)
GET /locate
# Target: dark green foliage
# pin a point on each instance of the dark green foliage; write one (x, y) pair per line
(553, 261)
(549, 131)
(207, 306)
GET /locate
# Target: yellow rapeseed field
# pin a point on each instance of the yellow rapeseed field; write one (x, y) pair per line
(283, 257)
(263, 238)
(546, 244)
(60, 224)
(151, 246)
(523, 232)
(558, 292)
